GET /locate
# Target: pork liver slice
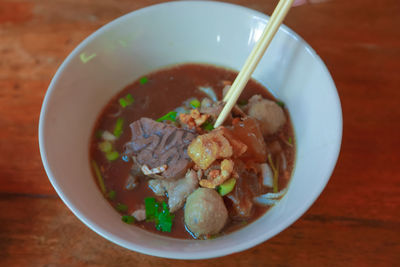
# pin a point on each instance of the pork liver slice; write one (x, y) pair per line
(155, 144)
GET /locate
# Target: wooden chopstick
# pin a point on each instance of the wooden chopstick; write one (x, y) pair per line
(255, 56)
(278, 9)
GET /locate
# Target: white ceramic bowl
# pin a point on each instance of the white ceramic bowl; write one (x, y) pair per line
(178, 32)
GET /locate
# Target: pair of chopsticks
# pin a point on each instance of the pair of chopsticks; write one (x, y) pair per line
(255, 56)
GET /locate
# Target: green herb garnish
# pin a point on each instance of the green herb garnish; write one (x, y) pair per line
(151, 208)
(159, 213)
(208, 126)
(290, 141)
(121, 207)
(118, 127)
(128, 219)
(280, 103)
(99, 176)
(195, 103)
(123, 103)
(105, 146)
(143, 80)
(112, 155)
(170, 116)
(111, 195)
(164, 222)
(226, 187)
(126, 101)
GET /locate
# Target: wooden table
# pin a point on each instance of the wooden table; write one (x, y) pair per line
(355, 222)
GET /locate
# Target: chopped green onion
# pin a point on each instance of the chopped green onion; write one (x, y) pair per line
(226, 187)
(170, 116)
(121, 207)
(280, 103)
(123, 103)
(275, 172)
(290, 141)
(242, 102)
(99, 176)
(195, 103)
(111, 195)
(207, 126)
(118, 127)
(126, 101)
(105, 146)
(128, 219)
(143, 80)
(113, 155)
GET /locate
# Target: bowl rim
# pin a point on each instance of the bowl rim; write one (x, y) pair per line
(182, 255)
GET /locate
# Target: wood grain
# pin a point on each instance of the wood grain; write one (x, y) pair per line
(41, 231)
(356, 220)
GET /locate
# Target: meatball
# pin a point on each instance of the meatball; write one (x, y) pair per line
(269, 114)
(205, 212)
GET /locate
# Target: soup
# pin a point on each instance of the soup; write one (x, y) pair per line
(158, 160)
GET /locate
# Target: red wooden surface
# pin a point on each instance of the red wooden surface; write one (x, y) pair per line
(355, 222)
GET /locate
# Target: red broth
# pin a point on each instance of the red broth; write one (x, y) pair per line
(155, 95)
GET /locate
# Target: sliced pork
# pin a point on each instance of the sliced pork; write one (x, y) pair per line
(177, 190)
(156, 144)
